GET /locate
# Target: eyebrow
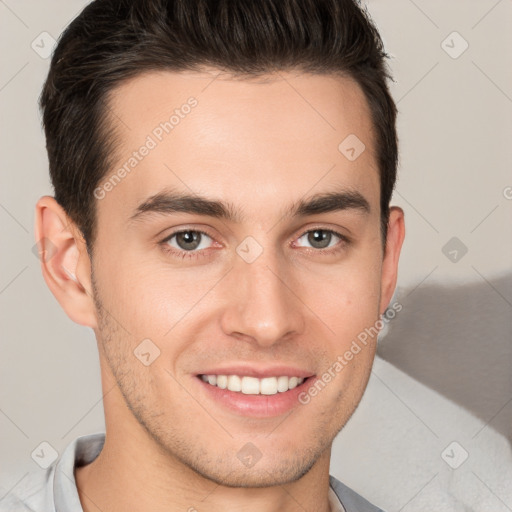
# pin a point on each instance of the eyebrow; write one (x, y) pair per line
(173, 202)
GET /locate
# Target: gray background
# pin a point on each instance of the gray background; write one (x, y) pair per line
(444, 368)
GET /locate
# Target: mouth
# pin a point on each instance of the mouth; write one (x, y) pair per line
(253, 385)
(256, 396)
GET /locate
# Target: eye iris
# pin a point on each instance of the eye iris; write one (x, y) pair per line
(188, 239)
(319, 236)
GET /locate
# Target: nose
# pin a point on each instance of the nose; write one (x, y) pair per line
(264, 304)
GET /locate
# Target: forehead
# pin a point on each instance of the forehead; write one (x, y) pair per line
(213, 134)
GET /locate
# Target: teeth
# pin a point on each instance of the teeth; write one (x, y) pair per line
(253, 385)
(250, 386)
(222, 381)
(282, 384)
(268, 386)
(234, 383)
(293, 382)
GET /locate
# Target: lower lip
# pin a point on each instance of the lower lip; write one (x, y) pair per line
(256, 406)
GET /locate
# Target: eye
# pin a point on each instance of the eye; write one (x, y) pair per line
(322, 238)
(192, 243)
(187, 241)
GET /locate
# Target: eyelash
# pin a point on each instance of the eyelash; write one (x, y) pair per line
(199, 254)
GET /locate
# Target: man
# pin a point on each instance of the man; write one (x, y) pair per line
(221, 220)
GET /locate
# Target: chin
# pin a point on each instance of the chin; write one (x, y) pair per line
(269, 475)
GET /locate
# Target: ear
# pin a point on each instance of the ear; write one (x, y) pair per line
(394, 240)
(65, 263)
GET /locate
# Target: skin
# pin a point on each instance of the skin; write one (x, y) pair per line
(259, 145)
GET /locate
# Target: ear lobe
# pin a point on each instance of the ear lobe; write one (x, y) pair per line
(394, 240)
(65, 263)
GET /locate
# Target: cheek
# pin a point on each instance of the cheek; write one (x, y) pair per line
(150, 298)
(348, 299)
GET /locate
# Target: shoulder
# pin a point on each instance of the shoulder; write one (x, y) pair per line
(33, 493)
(352, 502)
(53, 488)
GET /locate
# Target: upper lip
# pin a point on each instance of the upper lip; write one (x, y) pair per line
(258, 372)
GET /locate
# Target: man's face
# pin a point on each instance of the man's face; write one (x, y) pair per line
(263, 293)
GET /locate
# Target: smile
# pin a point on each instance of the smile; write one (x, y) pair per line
(253, 385)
